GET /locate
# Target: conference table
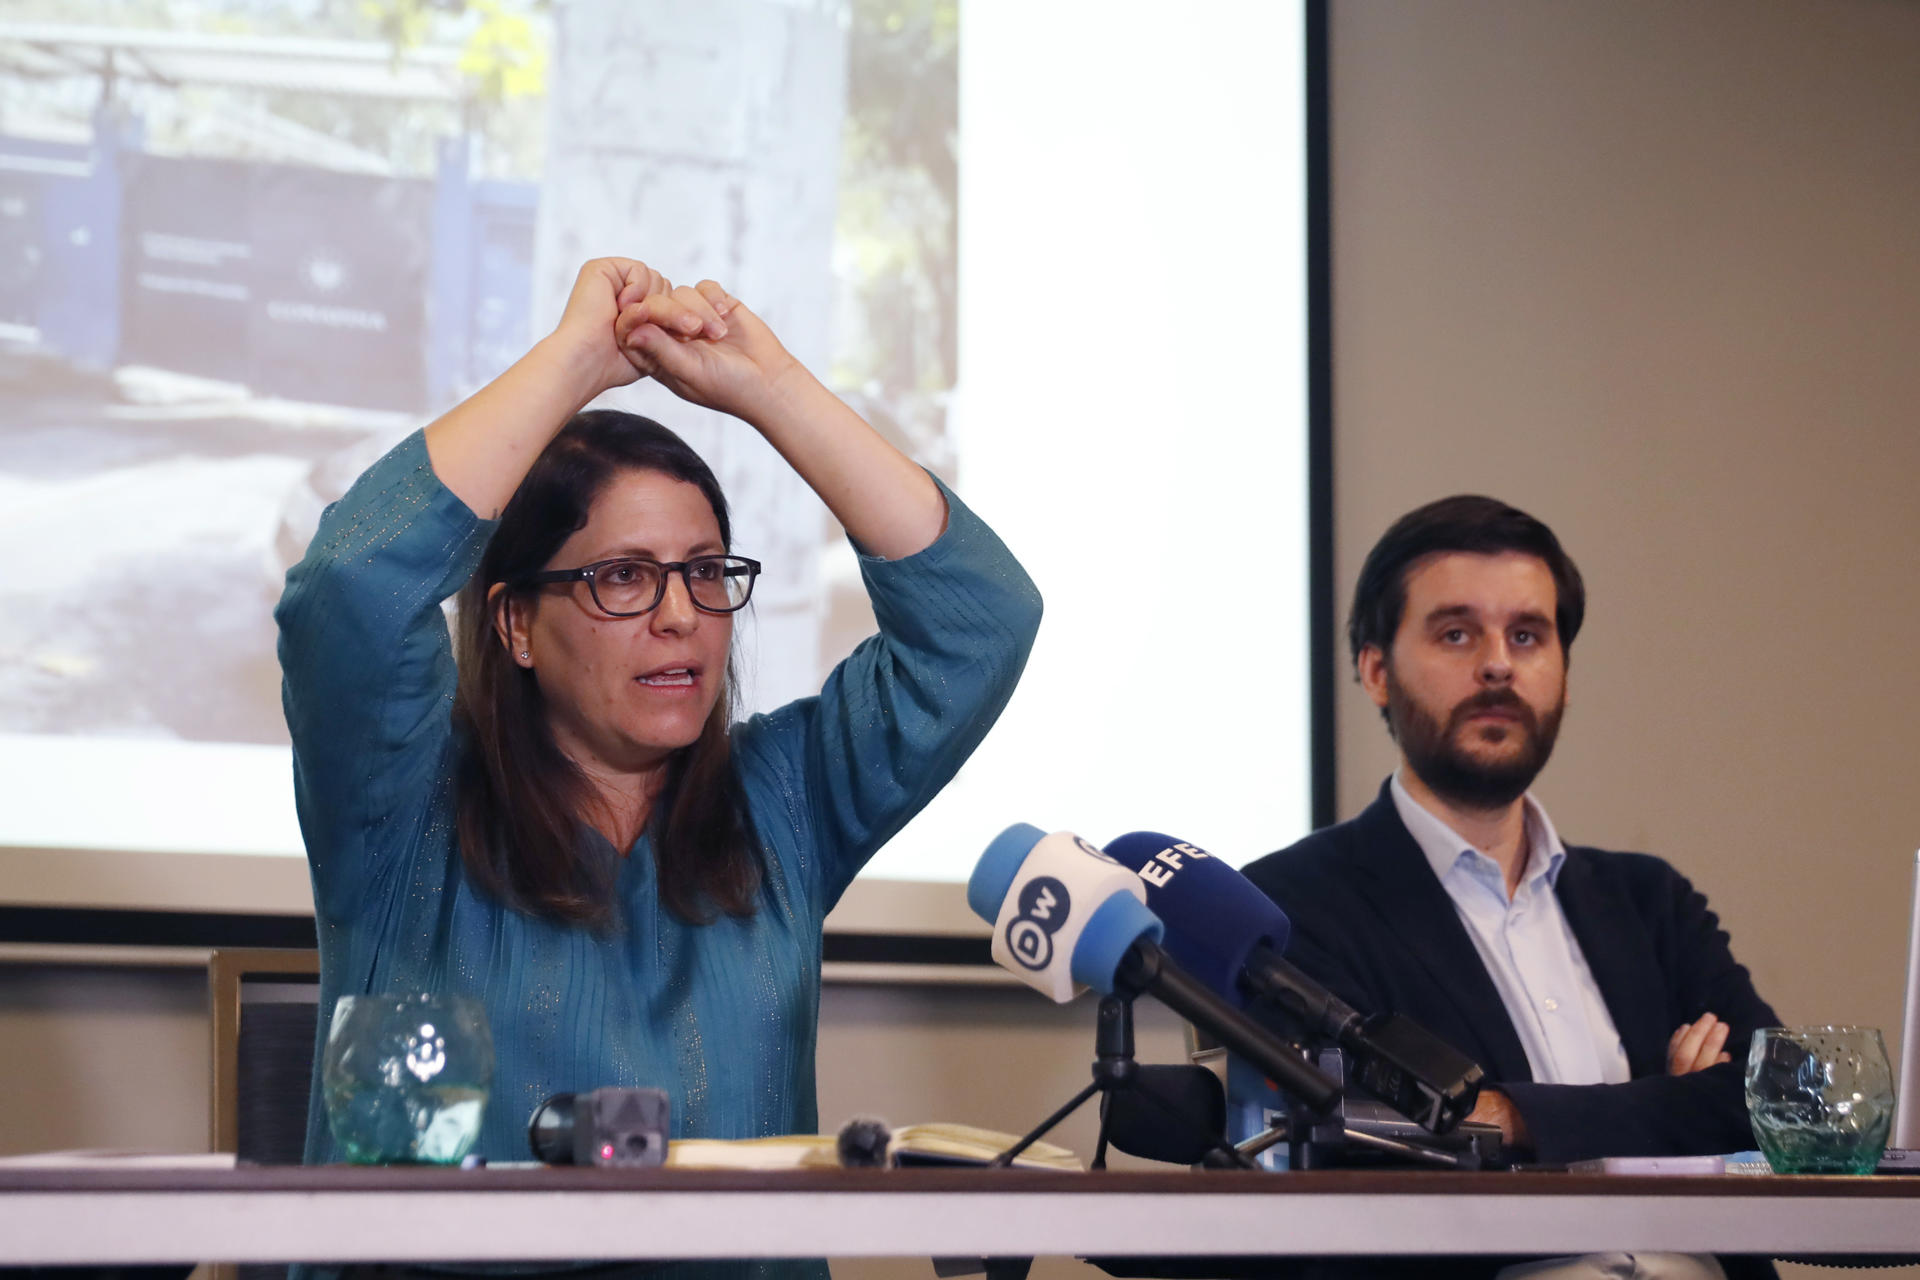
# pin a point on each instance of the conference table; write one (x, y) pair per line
(341, 1214)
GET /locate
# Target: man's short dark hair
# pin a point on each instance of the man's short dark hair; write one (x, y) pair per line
(1467, 523)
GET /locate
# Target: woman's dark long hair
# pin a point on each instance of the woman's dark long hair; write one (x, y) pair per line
(520, 800)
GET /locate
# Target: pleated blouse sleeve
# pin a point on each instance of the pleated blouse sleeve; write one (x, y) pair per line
(899, 716)
(367, 667)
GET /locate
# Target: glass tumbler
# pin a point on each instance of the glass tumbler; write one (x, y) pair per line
(1820, 1098)
(405, 1077)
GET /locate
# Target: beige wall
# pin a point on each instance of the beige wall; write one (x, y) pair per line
(1651, 270)
(103, 1057)
(1646, 269)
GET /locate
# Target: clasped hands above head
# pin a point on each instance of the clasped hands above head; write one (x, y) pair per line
(698, 341)
(687, 312)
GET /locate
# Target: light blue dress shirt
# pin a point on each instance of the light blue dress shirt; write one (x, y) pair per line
(1527, 946)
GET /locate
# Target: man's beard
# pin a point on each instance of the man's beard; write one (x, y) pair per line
(1456, 775)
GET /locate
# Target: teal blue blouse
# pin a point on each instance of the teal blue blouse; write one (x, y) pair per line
(722, 1016)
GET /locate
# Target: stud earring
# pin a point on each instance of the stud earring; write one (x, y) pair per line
(524, 655)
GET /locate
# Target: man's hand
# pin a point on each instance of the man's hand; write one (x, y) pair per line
(1496, 1108)
(1695, 1046)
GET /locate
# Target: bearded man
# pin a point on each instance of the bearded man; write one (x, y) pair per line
(1596, 990)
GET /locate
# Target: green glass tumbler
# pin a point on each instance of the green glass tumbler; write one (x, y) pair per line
(405, 1077)
(1820, 1098)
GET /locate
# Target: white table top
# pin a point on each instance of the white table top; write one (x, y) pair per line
(52, 1217)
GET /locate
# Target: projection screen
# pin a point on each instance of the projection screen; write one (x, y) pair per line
(1057, 251)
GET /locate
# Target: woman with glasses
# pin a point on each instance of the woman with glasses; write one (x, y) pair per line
(570, 827)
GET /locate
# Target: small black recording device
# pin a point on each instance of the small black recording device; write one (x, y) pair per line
(610, 1127)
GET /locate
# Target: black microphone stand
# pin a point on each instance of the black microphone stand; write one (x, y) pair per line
(1359, 1128)
(1115, 1069)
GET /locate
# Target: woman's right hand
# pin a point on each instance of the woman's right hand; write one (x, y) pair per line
(586, 329)
(482, 447)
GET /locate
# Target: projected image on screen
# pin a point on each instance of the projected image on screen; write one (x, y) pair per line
(247, 246)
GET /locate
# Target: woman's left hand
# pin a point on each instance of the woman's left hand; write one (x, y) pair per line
(706, 347)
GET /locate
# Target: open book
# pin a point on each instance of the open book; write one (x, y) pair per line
(912, 1145)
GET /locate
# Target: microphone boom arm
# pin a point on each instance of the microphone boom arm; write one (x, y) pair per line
(1395, 1059)
(1312, 1006)
(1146, 968)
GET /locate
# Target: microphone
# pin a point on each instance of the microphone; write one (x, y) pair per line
(1221, 926)
(1066, 916)
(622, 1127)
(1064, 913)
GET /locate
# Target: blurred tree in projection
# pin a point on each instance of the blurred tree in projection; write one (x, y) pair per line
(403, 23)
(897, 237)
(492, 54)
(505, 57)
(503, 63)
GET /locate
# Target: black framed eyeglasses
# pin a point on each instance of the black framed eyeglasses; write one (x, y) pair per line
(629, 587)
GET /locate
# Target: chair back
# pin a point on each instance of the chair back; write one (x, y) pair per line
(266, 1011)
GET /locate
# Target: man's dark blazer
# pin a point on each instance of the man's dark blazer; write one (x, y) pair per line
(1371, 921)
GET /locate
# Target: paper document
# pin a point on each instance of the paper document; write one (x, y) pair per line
(917, 1144)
